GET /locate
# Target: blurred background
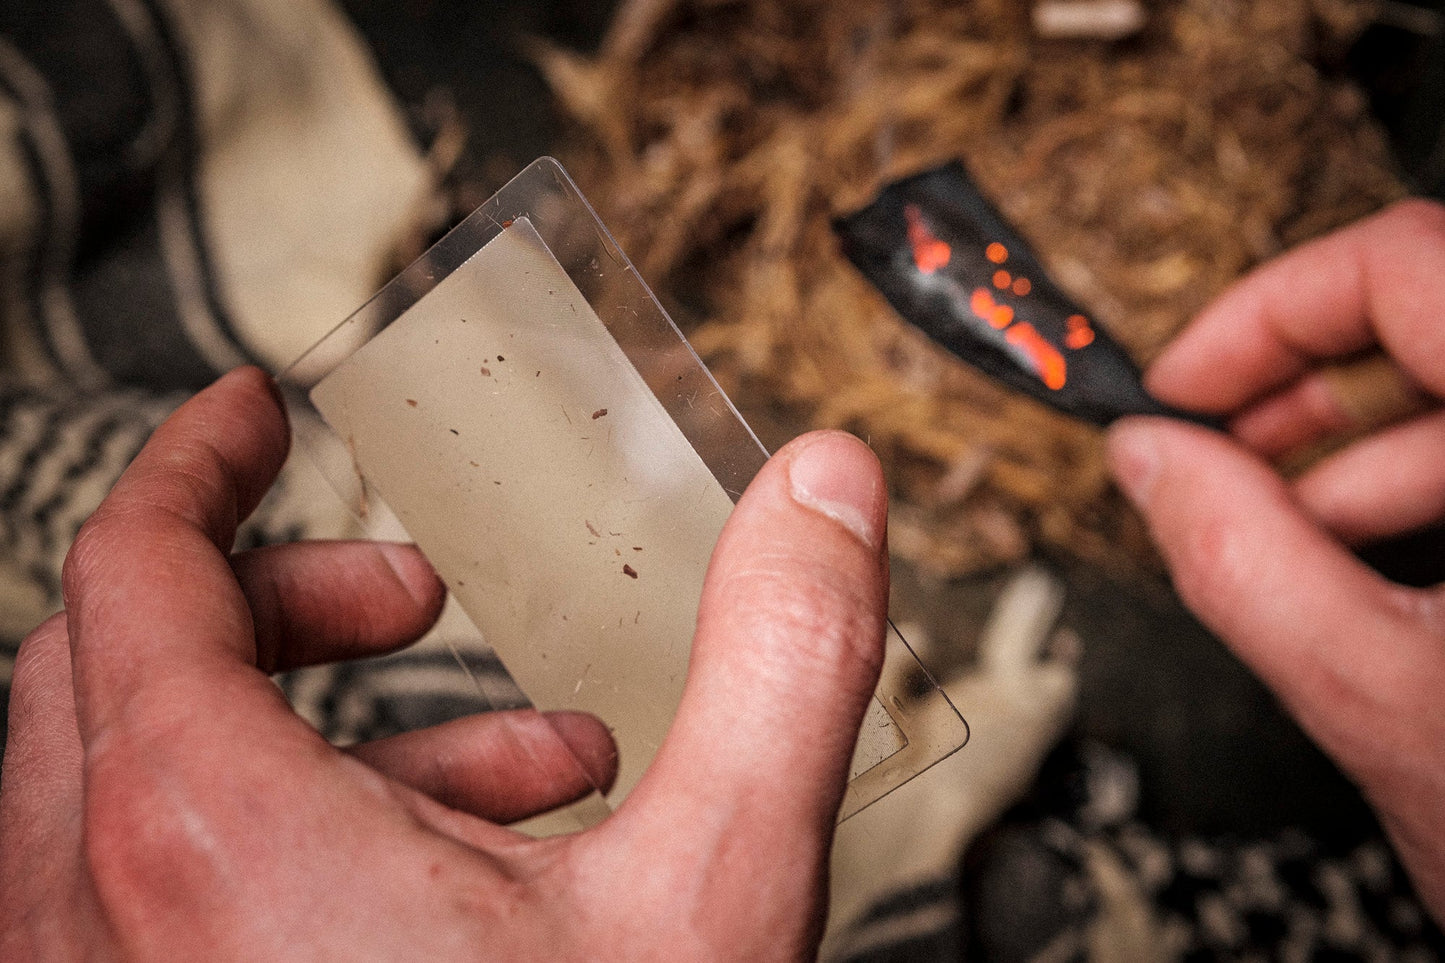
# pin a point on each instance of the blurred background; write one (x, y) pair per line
(1156, 804)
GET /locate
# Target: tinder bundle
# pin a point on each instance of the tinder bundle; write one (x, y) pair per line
(721, 138)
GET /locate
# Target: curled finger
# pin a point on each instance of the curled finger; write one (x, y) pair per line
(317, 602)
(41, 795)
(501, 766)
(1386, 484)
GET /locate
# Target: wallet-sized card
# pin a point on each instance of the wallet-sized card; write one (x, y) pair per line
(520, 403)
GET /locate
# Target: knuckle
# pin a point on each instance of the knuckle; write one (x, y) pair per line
(90, 546)
(107, 535)
(189, 484)
(43, 654)
(41, 673)
(809, 611)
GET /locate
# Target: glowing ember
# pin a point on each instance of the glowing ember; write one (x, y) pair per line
(1080, 333)
(1047, 362)
(929, 253)
(939, 253)
(987, 309)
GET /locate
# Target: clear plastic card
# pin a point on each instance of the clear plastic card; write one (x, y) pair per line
(519, 404)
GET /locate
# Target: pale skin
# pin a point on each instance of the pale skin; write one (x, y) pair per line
(160, 799)
(1265, 563)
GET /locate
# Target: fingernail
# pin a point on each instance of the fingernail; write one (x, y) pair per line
(412, 570)
(591, 745)
(1134, 458)
(837, 475)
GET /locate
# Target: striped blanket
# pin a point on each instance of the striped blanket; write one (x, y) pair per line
(187, 185)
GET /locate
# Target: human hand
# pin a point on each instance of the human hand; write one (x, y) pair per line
(1265, 563)
(161, 800)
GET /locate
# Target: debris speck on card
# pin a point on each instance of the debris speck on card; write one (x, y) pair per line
(657, 475)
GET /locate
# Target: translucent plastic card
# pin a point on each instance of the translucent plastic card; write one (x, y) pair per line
(521, 405)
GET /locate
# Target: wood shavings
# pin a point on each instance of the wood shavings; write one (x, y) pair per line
(720, 137)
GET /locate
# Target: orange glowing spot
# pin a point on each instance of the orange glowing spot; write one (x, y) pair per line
(1001, 279)
(1022, 286)
(929, 253)
(1048, 363)
(1080, 334)
(996, 253)
(987, 309)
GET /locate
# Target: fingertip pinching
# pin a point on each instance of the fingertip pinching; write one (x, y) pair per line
(1134, 458)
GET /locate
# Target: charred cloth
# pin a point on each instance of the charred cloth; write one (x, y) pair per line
(1147, 168)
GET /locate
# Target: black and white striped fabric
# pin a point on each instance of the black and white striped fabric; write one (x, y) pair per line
(1072, 873)
(185, 186)
(116, 284)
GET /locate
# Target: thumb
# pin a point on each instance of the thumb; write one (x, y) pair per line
(787, 653)
(1333, 639)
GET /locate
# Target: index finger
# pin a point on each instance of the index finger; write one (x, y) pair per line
(149, 591)
(1379, 281)
(1338, 644)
